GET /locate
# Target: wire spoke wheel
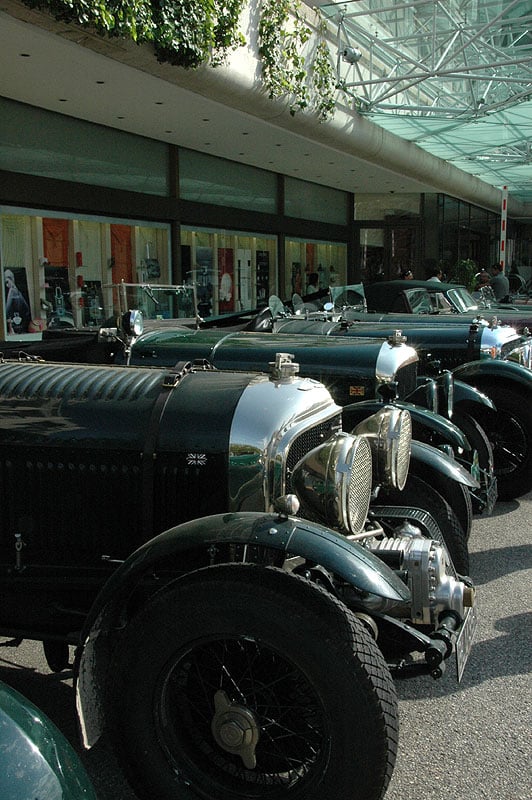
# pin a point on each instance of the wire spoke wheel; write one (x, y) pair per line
(509, 430)
(221, 688)
(243, 712)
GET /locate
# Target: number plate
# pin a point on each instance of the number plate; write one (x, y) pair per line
(464, 642)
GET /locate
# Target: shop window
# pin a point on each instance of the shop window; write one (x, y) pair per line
(18, 296)
(232, 271)
(121, 266)
(313, 264)
(372, 254)
(63, 267)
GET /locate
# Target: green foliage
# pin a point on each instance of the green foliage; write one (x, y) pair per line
(307, 81)
(323, 77)
(131, 18)
(189, 33)
(186, 33)
(464, 273)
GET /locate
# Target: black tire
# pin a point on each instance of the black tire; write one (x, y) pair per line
(478, 439)
(418, 494)
(283, 659)
(57, 654)
(456, 494)
(509, 431)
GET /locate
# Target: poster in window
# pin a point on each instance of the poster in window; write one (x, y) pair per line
(58, 298)
(204, 282)
(17, 303)
(263, 277)
(296, 278)
(243, 264)
(226, 293)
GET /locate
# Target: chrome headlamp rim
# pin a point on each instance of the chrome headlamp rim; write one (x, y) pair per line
(389, 434)
(334, 481)
(133, 322)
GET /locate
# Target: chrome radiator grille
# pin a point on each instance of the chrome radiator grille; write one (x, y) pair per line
(406, 378)
(306, 441)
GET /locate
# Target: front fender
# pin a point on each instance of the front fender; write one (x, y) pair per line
(496, 370)
(422, 418)
(309, 540)
(467, 393)
(424, 458)
(290, 536)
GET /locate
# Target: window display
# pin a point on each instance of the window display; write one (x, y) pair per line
(54, 267)
(17, 304)
(231, 271)
(312, 266)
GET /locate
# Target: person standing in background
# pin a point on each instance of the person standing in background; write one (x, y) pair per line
(500, 283)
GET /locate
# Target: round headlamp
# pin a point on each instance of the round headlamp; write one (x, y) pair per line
(333, 482)
(133, 322)
(389, 434)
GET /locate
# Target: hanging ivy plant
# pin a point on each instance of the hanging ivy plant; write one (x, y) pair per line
(192, 32)
(132, 19)
(283, 65)
(189, 33)
(186, 33)
(307, 81)
(324, 78)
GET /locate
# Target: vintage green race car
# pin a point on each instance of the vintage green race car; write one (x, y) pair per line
(150, 519)
(36, 760)
(437, 301)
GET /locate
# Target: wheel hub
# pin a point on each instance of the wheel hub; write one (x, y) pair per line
(235, 729)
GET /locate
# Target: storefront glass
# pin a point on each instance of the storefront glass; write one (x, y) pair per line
(306, 260)
(390, 204)
(206, 179)
(57, 268)
(39, 142)
(232, 271)
(372, 254)
(306, 200)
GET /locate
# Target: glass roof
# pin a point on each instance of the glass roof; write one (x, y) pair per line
(455, 77)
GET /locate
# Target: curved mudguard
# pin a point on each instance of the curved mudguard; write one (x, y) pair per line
(354, 413)
(467, 393)
(348, 560)
(494, 370)
(425, 456)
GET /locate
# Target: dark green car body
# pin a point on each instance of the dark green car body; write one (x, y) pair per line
(36, 760)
